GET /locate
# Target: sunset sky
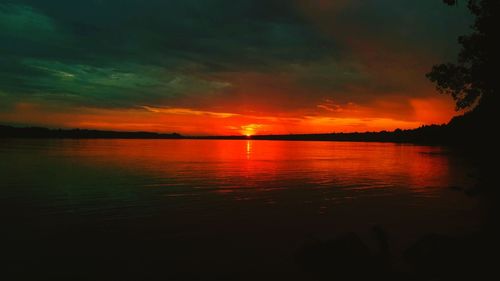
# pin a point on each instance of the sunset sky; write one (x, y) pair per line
(225, 67)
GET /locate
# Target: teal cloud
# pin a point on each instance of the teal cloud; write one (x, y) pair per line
(129, 53)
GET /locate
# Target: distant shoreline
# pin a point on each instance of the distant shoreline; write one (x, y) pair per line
(466, 130)
(432, 134)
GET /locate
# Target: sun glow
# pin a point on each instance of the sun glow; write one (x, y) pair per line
(250, 129)
(197, 122)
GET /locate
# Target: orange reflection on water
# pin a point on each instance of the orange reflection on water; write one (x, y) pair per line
(223, 164)
(249, 148)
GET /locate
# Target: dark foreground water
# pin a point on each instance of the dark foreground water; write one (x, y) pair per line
(216, 210)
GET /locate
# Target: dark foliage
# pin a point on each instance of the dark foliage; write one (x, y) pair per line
(472, 79)
(37, 132)
(429, 134)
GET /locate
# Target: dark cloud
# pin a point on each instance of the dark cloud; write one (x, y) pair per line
(128, 53)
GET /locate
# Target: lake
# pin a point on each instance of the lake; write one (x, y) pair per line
(216, 209)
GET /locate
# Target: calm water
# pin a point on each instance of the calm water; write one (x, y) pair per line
(218, 209)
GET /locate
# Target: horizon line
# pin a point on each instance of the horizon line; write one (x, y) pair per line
(207, 136)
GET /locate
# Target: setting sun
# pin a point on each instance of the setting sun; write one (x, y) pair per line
(250, 129)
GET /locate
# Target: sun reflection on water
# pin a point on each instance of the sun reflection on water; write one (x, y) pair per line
(248, 149)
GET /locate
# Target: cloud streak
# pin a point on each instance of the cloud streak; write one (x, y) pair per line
(226, 58)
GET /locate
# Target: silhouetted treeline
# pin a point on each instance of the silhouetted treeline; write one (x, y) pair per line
(423, 134)
(430, 134)
(461, 130)
(38, 132)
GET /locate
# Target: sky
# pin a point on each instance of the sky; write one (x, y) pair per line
(226, 67)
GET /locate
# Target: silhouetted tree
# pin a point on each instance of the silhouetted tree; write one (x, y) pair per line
(473, 79)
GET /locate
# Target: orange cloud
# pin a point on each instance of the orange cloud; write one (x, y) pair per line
(195, 122)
